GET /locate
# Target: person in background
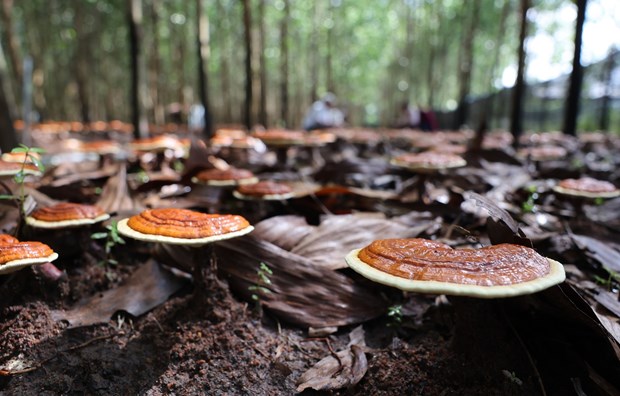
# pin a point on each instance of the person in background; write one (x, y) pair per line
(323, 114)
(428, 121)
(408, 117)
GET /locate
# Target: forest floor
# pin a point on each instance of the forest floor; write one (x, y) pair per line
(138, 326)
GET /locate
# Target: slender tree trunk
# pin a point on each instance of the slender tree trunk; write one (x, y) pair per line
(571, 111)
(8, 137)
(135, 39)
(466, 63)
(330, 48)
(314, 52)
(516, 121)
(284, 75)
(80, 65)
(606, 99)
(262, 115)
(158, 108)
(11, 39)
(493, 72)
(203, 61)
(225, 54)
(247, 26)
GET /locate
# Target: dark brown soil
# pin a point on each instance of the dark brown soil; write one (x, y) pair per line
(171, 350)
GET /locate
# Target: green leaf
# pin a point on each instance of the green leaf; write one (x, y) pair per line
(18, 150)
(99, 235)
(37, 150)
(37, 162)
(19, 177)
(6, 196)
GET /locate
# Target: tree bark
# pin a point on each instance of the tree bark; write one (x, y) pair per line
(155, 66)
(225, 53)
(330, 48)
(284, 77)
(134, 16)
(262, 115)
(314, 53)
(13, 43)
(606, 99)
(571, 111)
(466, 64)
(81, 79)
(203, 61)
(247, 26)
(516, 122)
(8, 137)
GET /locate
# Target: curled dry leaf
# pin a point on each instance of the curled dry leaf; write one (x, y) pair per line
(332, 373)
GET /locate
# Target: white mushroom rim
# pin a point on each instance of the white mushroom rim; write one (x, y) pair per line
(125, 230)
(427, 167)
(226, 183)
(65, 223)
(586, 194)
(15, 265)
(556, 275)
(266, 197)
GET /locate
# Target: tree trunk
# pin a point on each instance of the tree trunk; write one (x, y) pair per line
(8, 138)
(314, 53)
(158, 108)
(466, 64)
(203, 61)
(247, 26)
(81, 78)
(571, 111)
(13, 44)
(493, 72)
(330, 49)
(606, 99)
(262, 115)
(134, 16)
(516, 122)
(284, 77)
(225, 53)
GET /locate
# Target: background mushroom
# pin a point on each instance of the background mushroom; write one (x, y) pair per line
(15, 255)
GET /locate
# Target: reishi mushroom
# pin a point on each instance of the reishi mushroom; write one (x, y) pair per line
(15, 255)
(264, 190)
(225, 177)
(186, 227)
(587, 187)
(66, 214)
(472, 277)
(426, 266)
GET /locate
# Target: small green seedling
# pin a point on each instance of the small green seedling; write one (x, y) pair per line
(112, 238)
(395, 313)
(530, 203)
(258, 289)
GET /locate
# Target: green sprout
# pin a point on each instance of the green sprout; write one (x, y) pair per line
(530, 203)
(395, 313)
(30, 155)
(112, 238)
(258, 289)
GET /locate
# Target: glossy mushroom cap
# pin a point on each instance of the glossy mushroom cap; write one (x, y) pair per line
(66, 214)
(280, 137)
(265, 189)
(545, 153)
(225, 177)
(6, 238)
(17, 255)
(430, 160)
(183, 227)
(587, 187)
(432, 267)
(12, 168)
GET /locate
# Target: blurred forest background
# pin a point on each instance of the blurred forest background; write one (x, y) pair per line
(266, 61)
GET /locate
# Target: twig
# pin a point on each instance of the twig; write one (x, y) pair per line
(37, 366)
(329, 346)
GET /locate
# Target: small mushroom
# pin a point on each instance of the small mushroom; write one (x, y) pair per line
(225, 177)
(66, 214)
(587, 187)
(10, 169)
(428, 161)
(266, 190)
(189, 228)
(15, 255)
